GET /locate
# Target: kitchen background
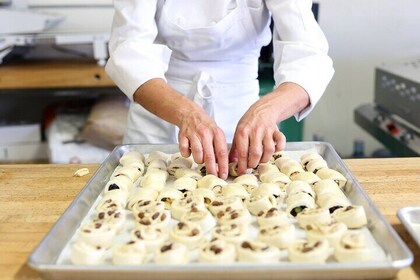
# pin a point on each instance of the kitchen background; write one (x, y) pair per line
(362, 36)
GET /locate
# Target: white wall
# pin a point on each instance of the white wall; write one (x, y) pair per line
(361, 34)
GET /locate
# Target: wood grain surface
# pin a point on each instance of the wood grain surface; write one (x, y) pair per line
(53, 75)
(33, 197)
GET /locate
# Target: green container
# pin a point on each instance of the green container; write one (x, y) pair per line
(292, 129)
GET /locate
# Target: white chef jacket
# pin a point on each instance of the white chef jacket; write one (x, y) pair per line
(200, 47)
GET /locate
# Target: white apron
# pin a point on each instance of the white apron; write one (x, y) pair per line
(216, 66)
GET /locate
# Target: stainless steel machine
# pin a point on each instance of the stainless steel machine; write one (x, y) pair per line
(394, 117)
(28, 26)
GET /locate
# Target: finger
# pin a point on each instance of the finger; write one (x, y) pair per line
(269, 147)
(242, 145)
(233, 153)
(208, 154)
(280, 140)
(196, 149)
(221, 152)
(255, 148)
(184, 146)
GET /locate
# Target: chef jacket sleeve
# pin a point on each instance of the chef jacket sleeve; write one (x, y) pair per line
(135, 58)
(300, 49)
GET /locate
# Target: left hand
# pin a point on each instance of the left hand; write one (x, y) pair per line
(256, 137)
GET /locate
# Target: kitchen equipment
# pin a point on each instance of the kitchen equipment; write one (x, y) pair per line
(394, 117)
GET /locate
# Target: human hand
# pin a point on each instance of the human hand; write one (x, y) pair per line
(256, 137)
(200, 135)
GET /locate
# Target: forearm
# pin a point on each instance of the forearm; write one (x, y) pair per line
(285, 101)
(160, 99)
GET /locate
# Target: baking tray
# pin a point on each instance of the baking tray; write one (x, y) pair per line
(410, 218)
(45, 256)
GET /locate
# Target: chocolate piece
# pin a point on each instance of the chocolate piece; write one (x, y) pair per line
(166, 248)
(155, 216)
(332, 209)
(113, 187)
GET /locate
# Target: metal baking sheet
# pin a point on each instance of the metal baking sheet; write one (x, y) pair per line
(46, 257)
(410, 218)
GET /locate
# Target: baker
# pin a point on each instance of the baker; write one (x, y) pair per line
(191, 68)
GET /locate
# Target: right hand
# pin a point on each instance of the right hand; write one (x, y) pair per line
(200, 135)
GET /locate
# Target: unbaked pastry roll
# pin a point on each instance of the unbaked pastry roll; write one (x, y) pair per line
(278, 235)
(248, 181)
(181, 206)
(131, 156)
(308, 252)
(188, 233)
(328, 173)
(258, 203)
(130, 253)
(326, 186)
(233, 169)
(168, 195)
(114, 218)
(155, 180)
(308, 157)
(266, 168)
(232, 233)
(97, 234)
(141, 194)
(158, 219)
(139, 165)
(201, 217)
(130, 172)
(145, 207)
(212, 182)
(184, 184)
(207, 195)
(307, 177)
(283, 161)
(235, 189)
(272, 217)
(352, 216)
(257, 252)
(157, 164)
(331, 232)
(179, 163)
(225, 204)
(152, 237)
(85, 253)
(291, 168)
(189, 173)
(275, 177)
(333, 201)
(296, 187)
(315, 165)
(352, 248)
(112, 200)
(296, 203)
(217, 251)
(120, 182)
(234, 216)
(172, 253)
(316, 215)
(156, 155)
(270, 189)
(277, 155)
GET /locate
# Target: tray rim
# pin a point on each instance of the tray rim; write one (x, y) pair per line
(401, 213)
(290, 267)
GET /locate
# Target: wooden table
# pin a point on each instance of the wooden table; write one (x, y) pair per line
(53, 74)
(32, 198)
